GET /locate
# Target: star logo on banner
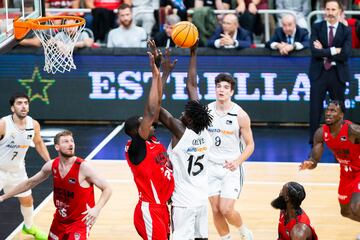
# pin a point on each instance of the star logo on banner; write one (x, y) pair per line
(37, 87)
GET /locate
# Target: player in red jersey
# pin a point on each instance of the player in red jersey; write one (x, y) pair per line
(148, 161)
(73, 180)
(343, 138)
(293, 222)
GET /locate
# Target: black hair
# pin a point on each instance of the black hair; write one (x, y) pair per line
(339, 104)
(224, 77)
(131, 125)
(340, 4)
(199, 115)
(296, 193)
(16, 96)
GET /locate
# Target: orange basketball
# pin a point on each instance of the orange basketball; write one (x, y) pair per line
(184, 34)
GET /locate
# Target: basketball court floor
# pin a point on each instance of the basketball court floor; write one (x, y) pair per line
(275, 161)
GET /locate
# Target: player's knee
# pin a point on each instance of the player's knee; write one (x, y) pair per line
(26, 201)
(226, 210)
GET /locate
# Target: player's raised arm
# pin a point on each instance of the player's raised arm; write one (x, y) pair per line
(39, 143)
(316, 151)
(152, 106)
(191, 83)
(30, 183)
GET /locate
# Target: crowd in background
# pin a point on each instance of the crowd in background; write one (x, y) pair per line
(129, 23)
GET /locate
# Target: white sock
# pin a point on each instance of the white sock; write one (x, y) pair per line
(28, 215)
(226, 237)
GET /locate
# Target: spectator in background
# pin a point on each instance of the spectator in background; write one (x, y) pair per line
(301, 7)
(179, 7)
(143, 13)
(163, 38)
(102, 17)
(230, 34)
(289, 37)
(330, 44)
(249, 18)
(127, 34)
(62, 3)
(215, 4)
(354, 25)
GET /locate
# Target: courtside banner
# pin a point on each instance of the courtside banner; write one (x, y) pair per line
(271, 89)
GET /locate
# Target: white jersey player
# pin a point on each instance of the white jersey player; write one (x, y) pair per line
(18, 131)
(189, 200)
(188, 149)
(232, 144)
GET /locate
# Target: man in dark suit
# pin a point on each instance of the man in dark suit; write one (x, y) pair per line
(289, 37)
(330, 44)
(163, 38)
(230, 35)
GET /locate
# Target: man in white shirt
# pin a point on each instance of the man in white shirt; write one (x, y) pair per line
(127, 35)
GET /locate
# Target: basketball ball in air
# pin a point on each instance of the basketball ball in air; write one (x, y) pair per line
(184, 34)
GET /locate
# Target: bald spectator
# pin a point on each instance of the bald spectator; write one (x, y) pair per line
(127, 34)
(300, 7)
(163, 39)
(289, 37)
(230, 34)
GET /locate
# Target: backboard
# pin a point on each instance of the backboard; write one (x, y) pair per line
(12, 9)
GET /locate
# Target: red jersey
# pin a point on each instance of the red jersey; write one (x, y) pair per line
(285, 229)
(153, 178)
(346, 152)
(70, 199)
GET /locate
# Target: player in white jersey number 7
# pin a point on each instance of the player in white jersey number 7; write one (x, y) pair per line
(17, 132)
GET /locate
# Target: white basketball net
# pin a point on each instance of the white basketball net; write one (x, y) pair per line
(59, 44)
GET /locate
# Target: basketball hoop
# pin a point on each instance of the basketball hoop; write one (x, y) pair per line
(58, 35)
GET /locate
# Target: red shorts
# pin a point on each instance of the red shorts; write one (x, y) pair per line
(349, 184)
(74, 231)
(152, 221)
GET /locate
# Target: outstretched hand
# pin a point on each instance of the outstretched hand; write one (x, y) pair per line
(155, 52)
(307, 164)
(166, 63)
(153, 63)
(91, 215)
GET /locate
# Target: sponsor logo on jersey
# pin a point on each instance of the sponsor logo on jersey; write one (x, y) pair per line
(72, 180)
(342, 197)
(228, 122)
(343, 138)
(196, 149)
(77, 236)
(326, 137)
(29, 136)
(216, 130)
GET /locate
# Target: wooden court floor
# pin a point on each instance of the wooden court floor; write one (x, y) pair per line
(263, 182)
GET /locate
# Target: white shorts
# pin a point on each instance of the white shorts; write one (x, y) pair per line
(9, 180)
(223, 182)
(189, 223)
